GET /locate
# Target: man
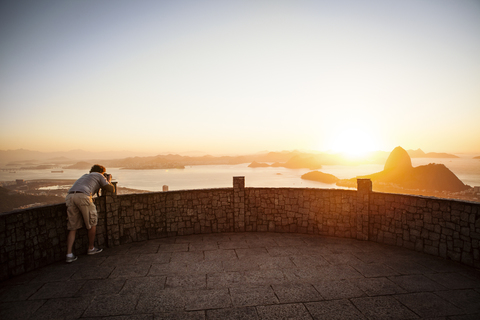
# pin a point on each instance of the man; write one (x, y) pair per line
(81, 209)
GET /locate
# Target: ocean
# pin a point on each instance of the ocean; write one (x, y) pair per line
(465, 168)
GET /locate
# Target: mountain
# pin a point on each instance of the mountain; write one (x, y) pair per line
(399, 172)
(125, 159)
(398, 160)
(420, 154)
(440, 155)
(80, 165)
(434, 177)
(72, 156)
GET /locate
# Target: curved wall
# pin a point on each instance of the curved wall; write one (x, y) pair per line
(451, 229)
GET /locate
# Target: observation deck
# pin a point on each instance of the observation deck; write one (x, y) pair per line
(248, 275)
(248, 253)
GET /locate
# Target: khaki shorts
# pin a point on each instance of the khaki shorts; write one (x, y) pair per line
(80, 209)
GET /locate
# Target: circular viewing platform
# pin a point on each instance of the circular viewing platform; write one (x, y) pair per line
(247, 275)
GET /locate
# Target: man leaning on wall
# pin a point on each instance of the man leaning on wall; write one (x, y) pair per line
(81, 209)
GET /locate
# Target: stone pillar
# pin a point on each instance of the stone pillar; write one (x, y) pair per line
(112, 230)
(239, 204)
(364, 189)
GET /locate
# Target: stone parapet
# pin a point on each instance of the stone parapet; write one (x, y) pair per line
(315, 211)
(450, 229)
(36, 237)
(440, 227)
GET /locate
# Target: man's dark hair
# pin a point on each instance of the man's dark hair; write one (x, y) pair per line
(98, 168)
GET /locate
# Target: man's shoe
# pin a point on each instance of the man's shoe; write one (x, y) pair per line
(71, 259)
(94, 251)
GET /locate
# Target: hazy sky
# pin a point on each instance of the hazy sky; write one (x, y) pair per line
(240, 76)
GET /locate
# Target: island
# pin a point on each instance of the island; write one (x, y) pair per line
(320, 177)
(256, 164)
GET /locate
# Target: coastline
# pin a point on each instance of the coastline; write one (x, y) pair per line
(40, 192)
(47, 184)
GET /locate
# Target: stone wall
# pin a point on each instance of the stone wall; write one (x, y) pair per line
(139, 217)
(440, 227)
(36, 237)
(315, 211)
(451, 229)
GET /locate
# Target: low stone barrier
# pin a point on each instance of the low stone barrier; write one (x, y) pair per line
(440, 227)
(36, 237)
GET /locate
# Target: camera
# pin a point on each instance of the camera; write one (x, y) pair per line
(107, 175)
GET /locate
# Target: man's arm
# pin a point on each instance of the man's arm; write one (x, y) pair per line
(109, 187)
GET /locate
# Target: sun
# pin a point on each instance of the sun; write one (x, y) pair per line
(353, 143)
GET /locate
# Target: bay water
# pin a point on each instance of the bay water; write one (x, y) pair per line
(465, 168)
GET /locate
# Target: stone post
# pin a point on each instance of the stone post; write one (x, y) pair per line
(364, 189)
(112, 230)
(239, 204)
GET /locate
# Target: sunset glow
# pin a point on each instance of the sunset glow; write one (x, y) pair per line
(236, 77)
(353, 143)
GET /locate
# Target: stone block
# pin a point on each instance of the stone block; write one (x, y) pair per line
(465, 231)
(450, 226)
(475, 235)
(433, 236)
(464, 216)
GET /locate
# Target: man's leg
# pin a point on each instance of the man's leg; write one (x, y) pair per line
(90, 217)
(91, 237)
(70, 240)
(73, 221)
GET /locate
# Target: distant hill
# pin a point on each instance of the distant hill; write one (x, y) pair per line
(129, 160)
(21, 157)
(298, 162)
(420, 154)
(7, 156)
(80, 165)
(434, 177)
(282, 156)
(60, 160)
(295, 162)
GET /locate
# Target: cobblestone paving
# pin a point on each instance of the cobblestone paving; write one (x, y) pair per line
(247, 276)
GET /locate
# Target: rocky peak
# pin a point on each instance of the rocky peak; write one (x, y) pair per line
(398, 160)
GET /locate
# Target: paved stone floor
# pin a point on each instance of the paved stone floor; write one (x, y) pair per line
(247, 276)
